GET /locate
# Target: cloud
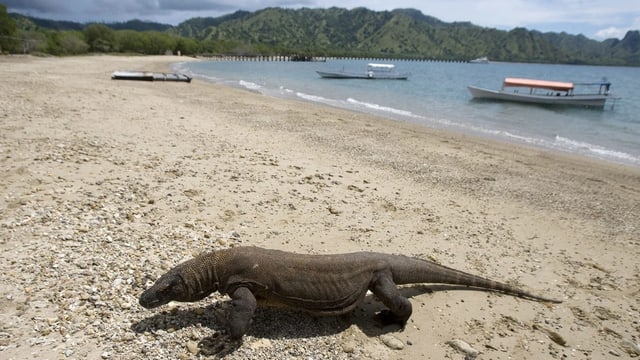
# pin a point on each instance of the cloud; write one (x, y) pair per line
(610, 32)
(39, 6)
(617, 32)
(593, 18)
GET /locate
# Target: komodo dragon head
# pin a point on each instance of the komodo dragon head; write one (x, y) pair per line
(169, 287)
(185, 283)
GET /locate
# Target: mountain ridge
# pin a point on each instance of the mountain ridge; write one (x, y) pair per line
(399, 33)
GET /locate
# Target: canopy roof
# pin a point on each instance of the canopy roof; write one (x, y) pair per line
(381, 66)
(541, 84)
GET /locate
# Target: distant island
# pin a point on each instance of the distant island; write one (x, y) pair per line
(333, 32)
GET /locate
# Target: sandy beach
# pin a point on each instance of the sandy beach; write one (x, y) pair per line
(107, 184)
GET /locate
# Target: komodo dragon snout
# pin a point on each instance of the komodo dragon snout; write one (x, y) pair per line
(170, 287)
(319, 284)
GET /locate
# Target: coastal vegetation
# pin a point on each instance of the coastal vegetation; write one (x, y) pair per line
(333, 32)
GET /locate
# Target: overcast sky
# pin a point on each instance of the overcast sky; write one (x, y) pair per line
(596, 19)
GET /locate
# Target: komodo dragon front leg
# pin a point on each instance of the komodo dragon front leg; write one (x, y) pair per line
(243, 305)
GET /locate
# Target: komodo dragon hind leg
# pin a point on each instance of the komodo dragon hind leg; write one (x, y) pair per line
(243, 305)
(387, 291)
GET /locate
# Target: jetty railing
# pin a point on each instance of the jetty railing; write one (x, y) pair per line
(298, 58)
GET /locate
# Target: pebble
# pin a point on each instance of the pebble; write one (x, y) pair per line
(192, 347)
(349, 346)
(463, 347)
(261, 344)
(392, 342)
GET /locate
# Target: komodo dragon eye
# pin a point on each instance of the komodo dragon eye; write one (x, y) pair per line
(170, 287)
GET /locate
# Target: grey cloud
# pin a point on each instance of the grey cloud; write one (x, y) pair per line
(41, 6)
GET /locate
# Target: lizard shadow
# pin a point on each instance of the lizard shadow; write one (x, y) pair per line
(274, 323)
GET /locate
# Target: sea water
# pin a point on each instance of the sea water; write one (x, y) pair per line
(436, 95)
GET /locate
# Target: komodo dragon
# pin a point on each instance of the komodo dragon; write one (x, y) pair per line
(319, 284)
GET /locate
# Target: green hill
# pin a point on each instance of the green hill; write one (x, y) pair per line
(401, 33)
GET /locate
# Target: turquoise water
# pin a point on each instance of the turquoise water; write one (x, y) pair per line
(436, 95)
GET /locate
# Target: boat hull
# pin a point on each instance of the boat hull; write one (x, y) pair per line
(366, 76)
(595, 100)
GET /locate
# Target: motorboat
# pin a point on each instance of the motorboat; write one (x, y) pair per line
(547, 92)
(374, 72)
(480, 60)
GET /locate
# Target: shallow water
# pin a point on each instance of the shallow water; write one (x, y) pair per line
(436, 95)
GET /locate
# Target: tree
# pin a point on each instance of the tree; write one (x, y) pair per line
(186, 46)
(72, 43)
(100, 38)
(8, 32)
(157, 43)
(130, 41)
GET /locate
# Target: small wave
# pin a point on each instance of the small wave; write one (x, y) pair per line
(249, 85)
(377, 107)
(311, 97)
(209, 78)
(583, 147)
(285, 90)
(558, 143)
(316, 98)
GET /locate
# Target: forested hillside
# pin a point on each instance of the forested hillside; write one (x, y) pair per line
(402, 33)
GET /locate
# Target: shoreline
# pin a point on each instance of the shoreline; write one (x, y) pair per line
(557, 144)
(107, 184)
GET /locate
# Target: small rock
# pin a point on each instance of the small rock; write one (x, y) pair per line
(349, 347)
(125, 305)
(192, 346)
(630, 347)
(392, 342)
(614, 353)
(463, 347)
(261, 344)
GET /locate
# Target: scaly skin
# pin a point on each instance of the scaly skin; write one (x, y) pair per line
(319, 284)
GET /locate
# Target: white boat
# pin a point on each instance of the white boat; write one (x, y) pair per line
(480, 60)
(547, 92)
(374, 72)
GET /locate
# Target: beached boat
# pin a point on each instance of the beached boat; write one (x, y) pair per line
(149, 76)
(374, 72)
(480, 60)
(547, 92)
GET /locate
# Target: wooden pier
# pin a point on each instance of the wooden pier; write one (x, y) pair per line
(305, 58)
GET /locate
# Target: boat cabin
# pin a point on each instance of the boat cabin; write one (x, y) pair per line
(563, 88)
(380, 67)
(532, 85)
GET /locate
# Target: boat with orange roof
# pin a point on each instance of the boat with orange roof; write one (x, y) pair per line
(547, 92)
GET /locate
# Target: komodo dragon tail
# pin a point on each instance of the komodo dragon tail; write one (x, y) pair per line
(408, 270)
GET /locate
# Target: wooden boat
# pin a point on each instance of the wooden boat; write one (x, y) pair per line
(547, 92)
(149, 76)
(374, 72)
